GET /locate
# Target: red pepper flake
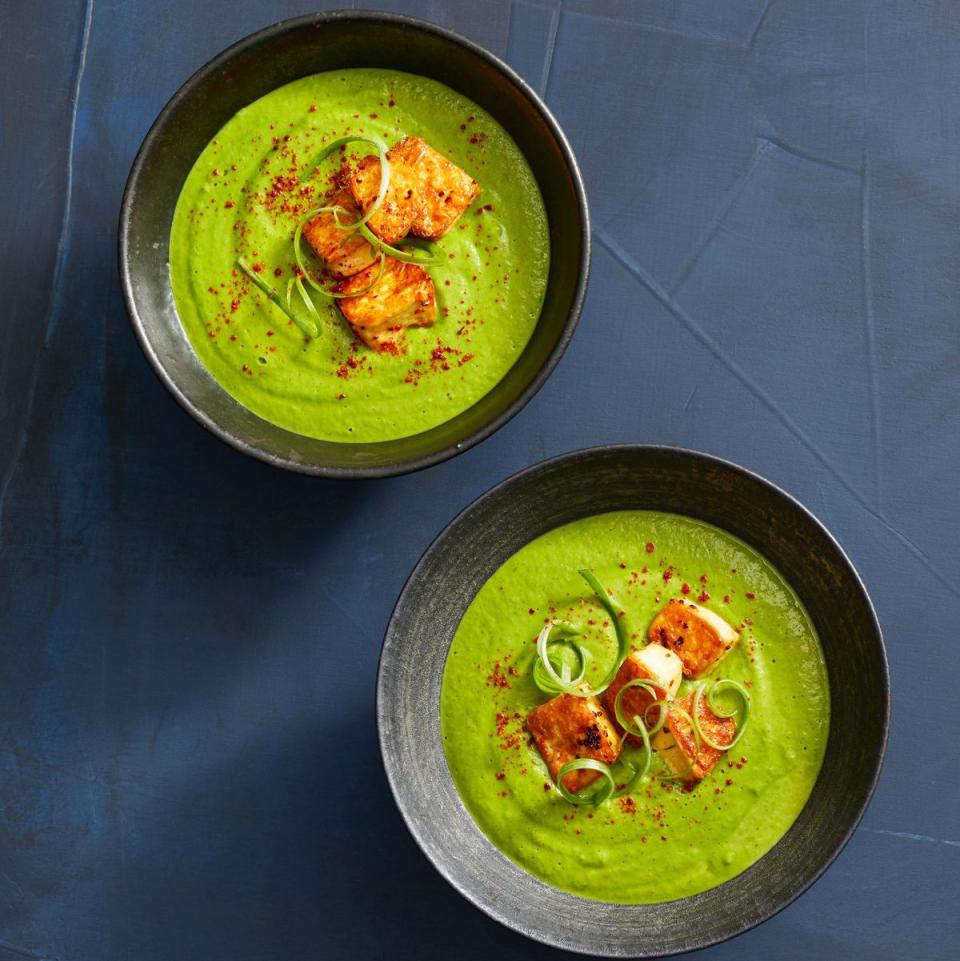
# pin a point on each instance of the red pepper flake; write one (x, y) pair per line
(312, 108)
(341, 396)
(703, 597)
(373, 116)
(278, 272)
(392, 103)
(496, 678)
(667, 574)
(726, 598)
(729, 782)
(684, 588)
(500, 775)
(533, 610)
(749, 595)
(650, 548)
(229, 204)
(546, 785)
(257, 268)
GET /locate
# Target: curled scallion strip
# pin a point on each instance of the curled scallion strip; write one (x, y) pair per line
(742, 713)
(384, 173)
(574, 687)
(664, 706)
(307, 302)
(621, 635)
(594, 797)
(545, 675)
(298, 257)
(641, 772)
(395, 252)
(639, 729)
(308, 327)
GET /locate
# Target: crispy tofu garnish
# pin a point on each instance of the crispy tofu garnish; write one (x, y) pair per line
(344, 253)
(699, 637)
(654, 663)
(676, 743)
(402, 204)
(403, 297)
(426, 196)
(568, 727)
(445, 189)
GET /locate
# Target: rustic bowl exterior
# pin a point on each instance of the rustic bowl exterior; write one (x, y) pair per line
(566, 489)
(261, 63)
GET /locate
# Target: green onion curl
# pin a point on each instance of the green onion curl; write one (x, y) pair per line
(384, 173)
(596, 797)
(298, 256)
(308, 327)
(742, 712)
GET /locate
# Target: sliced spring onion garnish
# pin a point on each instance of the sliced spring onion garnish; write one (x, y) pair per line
(638, 773)
(718, 684)
(555, 681)
(307, 302)
(306, 275)
(384, 173)
(395, 252)
(664, 706)
(545, 675)
(308, 327)
(597, 589)
(639, 729)
(696, 744)
(589, 794)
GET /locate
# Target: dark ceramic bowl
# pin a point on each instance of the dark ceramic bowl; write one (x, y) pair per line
(261, 63)
(495, 527)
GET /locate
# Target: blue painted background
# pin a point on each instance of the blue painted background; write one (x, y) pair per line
(188, 761)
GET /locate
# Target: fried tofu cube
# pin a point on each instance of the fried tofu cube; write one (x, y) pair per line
(445, 189)
(403, 297)
(402, 204)
(675, 742)
(344, 253)
(568, 727)
(699, 637)
(654, 663)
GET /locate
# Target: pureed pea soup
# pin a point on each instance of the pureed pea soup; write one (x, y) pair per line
(660, 841)
(251, 187)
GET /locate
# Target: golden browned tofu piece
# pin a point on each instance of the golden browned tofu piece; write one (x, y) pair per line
(700, 638)
(676, 743)
(344, 253)
(402, 204)
(569, 727)
(445, 189)
(654, 663)
(403, 297)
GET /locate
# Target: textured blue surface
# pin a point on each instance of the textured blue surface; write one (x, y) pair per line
(188, 760)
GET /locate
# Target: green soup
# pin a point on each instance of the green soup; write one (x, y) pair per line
(254, 183)
(660, 842)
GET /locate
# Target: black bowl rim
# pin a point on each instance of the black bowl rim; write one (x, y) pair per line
(403, 466)
(580, 455)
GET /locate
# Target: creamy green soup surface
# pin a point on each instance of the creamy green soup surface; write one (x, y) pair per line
(254, 183)
(660, 842)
